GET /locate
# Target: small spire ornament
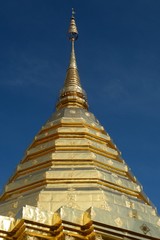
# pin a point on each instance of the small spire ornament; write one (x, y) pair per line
(73, 32)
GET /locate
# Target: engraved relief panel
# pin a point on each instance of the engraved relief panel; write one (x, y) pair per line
(68, 237)
(98, 237)
(35, 214)
(32, 238)
(6, 223)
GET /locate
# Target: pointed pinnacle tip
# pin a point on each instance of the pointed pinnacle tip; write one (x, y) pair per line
(73, 12)
(73, 32)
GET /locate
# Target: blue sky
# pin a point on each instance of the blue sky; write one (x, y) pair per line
(118, 55)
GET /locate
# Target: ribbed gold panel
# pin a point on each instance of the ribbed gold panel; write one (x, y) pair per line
(72, 80)
(72, 27)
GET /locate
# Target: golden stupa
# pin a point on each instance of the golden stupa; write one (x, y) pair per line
(72, 182)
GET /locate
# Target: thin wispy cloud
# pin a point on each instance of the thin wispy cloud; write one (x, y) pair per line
(115, 89)
(27, 70)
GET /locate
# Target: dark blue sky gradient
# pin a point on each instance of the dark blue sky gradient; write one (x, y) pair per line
(118, 55)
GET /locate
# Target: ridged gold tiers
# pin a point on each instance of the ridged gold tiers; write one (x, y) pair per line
(73, 163)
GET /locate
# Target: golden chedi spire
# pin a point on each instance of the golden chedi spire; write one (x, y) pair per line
(72, 94)
(72, 182)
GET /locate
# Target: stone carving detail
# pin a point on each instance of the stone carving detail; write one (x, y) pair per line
(110, 162)
(98, 237)
(154, 212)
(118, 222)
(25, 180)
(40, 216)
(87, 114)
(145, 228)
(158, 223)
(119, 182)
(139, 188)
(68, 237)
(36, 214)
(71, 200)
(72, 111)
(32, 238)
(71, 197)
(11, 214)
(93, 214)
(106, 206)
(15, 205)
(133, 213)
(6, 223)
(114, 175)
(130, 204)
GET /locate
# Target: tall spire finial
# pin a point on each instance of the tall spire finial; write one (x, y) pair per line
(72, 94)
(73, 12)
